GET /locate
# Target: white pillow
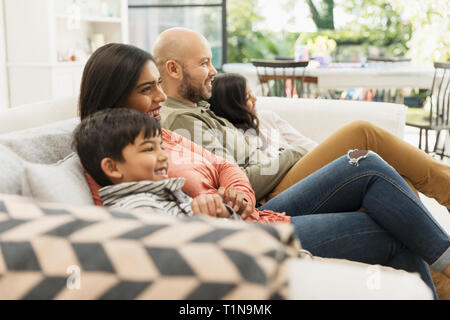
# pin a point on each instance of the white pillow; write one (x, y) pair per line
(62, 182)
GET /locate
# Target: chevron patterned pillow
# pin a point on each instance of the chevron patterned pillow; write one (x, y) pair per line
(55, 251)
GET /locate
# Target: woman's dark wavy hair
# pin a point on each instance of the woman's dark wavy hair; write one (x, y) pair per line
(106, 133)
(109, 77)
(228, 100)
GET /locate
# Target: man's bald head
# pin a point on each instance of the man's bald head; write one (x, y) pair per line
(176, 44)
(184, 60)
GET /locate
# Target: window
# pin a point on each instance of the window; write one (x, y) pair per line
(148, 18)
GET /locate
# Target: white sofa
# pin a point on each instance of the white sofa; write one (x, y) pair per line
(314, 278)
(330, 114)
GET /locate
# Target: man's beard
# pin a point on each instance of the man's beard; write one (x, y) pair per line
(188, 91)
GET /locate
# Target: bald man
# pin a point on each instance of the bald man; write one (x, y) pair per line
(184, 60)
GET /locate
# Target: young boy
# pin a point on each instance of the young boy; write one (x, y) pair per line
(122, 150)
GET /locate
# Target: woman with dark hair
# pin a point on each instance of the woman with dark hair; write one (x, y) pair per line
(118, 66)
(119, 75)
(378, 235)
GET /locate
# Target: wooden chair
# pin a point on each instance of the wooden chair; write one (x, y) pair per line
(439, 118)
(284, 78)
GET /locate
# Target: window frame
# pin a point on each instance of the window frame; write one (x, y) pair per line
(219, 3)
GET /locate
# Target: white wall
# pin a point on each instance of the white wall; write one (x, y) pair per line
(4, 95)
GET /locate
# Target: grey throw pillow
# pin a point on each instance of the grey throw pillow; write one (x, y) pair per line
(11, 171)
(62, 182)
(45, 144)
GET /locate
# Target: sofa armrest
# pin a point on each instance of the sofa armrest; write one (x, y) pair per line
(318, 118)
(338, 279)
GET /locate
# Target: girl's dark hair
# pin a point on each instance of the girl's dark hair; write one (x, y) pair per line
(106, 133)
(228, 100)
(109, 77)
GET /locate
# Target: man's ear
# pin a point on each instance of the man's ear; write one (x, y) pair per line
(174, 69)
(109, 167)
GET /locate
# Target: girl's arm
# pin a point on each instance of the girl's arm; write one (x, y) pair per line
(270, 120)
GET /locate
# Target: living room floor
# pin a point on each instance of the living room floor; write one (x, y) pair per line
(439, 212)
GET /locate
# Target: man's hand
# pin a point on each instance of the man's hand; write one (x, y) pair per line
(236, 200)
(209, 204)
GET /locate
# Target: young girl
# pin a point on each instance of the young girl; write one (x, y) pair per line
(232, 99)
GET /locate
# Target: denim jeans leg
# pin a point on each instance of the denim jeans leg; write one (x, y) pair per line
(355, 236)
(407, 260)
(347, 184)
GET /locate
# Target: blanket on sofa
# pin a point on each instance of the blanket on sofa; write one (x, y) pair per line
(56, 251)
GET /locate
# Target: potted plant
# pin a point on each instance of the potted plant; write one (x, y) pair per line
(320, 49)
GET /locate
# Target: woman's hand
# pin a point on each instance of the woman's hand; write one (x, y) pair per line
(209, 204)
(236, 200)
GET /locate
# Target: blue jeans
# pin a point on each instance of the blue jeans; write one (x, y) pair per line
(393, 229)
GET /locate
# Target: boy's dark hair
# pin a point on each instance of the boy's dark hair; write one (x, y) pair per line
(106, 133)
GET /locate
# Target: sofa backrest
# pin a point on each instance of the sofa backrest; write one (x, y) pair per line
(318, 118)
(315, 118)
(37, 114)
(40, 145)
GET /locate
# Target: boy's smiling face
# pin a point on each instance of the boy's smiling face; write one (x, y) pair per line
(144, 160)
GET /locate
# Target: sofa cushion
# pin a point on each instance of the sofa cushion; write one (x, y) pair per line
(37, 113)
(49, 250)
(45, 144)
(94, 188)
(11, 171)
(62, 182)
